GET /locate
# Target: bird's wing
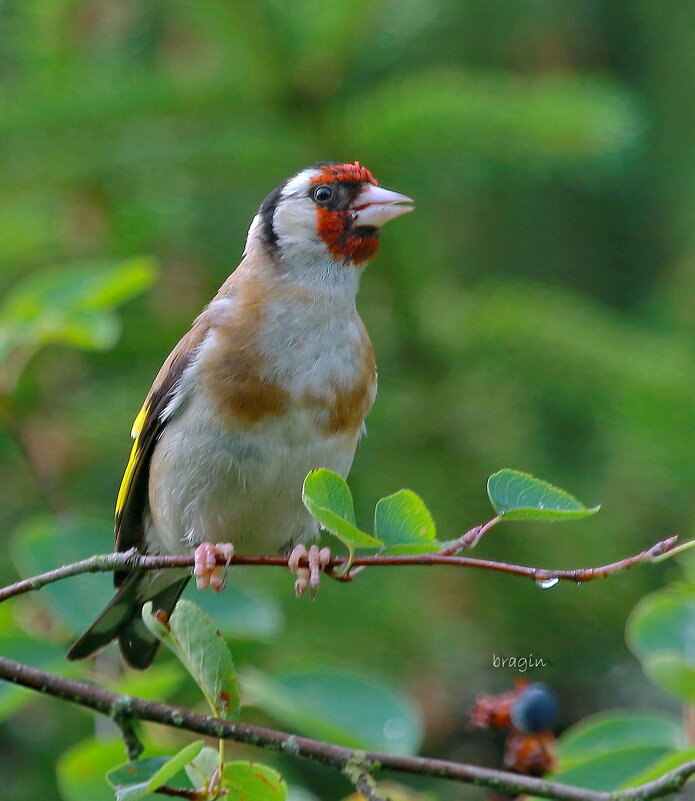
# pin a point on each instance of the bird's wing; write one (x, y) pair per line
(131, 505)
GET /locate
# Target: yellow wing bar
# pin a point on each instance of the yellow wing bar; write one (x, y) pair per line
(139, 422)
(133, 460)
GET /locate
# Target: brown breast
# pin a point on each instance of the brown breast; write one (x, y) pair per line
(241, 380)
(233, 367)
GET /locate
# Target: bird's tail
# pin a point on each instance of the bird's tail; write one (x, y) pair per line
(122, 619)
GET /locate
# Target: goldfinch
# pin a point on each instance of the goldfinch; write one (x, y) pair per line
(274, 379)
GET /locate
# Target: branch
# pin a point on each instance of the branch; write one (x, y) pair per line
(122, 717)
(132, 560)
(344, 759)
(366, 787)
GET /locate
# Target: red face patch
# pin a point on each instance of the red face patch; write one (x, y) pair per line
(345, 172)
(343, 242)
(334, 226)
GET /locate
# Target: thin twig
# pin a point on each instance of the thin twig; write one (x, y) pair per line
(471, 538)
(105, 702)
(131, 560)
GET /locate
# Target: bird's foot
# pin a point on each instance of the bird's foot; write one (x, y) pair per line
(309, 576)
(206, 570)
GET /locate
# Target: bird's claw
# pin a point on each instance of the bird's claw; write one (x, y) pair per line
(310, 576)
(206, 570)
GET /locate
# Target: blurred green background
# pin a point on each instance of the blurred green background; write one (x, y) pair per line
(535, 312)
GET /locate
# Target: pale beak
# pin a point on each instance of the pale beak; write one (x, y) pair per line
(375, 206)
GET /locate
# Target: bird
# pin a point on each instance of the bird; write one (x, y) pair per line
(273, 380)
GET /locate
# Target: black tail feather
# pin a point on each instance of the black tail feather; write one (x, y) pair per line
(122, 619)
(137, 643)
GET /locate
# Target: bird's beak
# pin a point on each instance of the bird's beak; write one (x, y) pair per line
(375, 206)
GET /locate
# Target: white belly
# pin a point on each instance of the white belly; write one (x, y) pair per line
(207, 484)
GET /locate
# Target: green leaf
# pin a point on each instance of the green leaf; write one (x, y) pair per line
(201, 767)
(669, 671)
(659, 632)
(663, 621)
(241, 612)
(404, 524)
(660, 767)
(328, 498)
(131, 779)
(607, 750)
(330, 491)
(612, 769)
(609, 731)
(346, 708)
(249, 781)
(174, 765)
(72, 305)
(133, 792)
(519, 496)
(414, 548)
(197, 643)
(136, 772)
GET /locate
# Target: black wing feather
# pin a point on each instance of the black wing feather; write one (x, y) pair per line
(132, 506)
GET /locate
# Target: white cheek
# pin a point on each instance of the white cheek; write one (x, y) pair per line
(304, 255)
(295, 221)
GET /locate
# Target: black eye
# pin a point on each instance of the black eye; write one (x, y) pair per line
(322, 194)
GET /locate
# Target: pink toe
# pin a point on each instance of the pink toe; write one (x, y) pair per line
(226, 550)
(298, 553)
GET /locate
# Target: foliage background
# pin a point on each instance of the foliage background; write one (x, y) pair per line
(535, 312)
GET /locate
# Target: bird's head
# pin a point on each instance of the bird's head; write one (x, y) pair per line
(329, 212)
